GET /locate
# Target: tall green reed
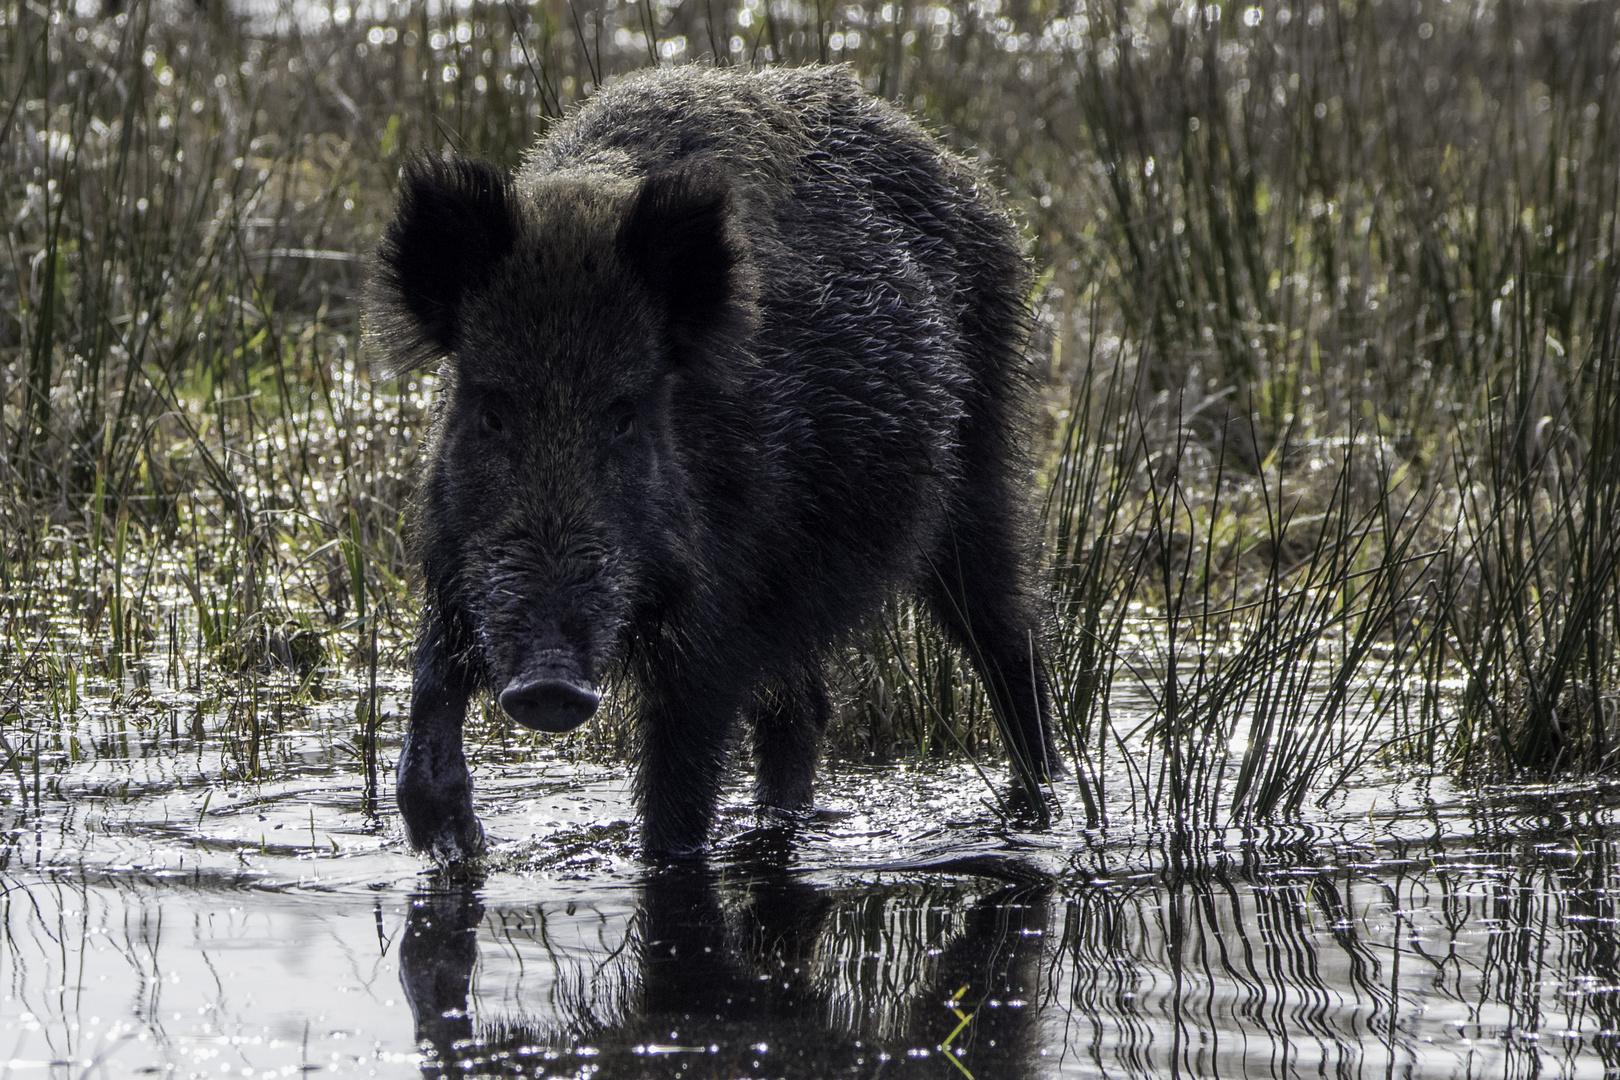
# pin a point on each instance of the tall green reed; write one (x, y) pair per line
(1351, 222)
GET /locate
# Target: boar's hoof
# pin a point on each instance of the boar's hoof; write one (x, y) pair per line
(456, 850)
(435, 802)
(549, 704)
(445, 831)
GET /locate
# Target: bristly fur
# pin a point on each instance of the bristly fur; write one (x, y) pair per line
(455, 220)
(730, 361)
(679, 236)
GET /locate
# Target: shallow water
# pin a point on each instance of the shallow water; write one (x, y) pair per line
(163, 918)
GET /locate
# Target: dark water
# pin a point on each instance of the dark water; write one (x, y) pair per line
(163, 918)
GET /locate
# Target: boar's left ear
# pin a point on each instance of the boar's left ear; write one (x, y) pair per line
(455, 220)
(678, 235)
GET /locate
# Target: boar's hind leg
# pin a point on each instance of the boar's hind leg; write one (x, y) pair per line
(790, 715)
(979, 596)
(434, 788)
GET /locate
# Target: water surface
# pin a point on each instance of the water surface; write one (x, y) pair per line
(163, 915)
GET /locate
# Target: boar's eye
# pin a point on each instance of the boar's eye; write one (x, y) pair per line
(491, 422)
(624, 424)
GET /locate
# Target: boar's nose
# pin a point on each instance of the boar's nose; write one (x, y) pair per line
(548, 704)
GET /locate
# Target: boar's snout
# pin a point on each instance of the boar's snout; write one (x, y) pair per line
(548, 702)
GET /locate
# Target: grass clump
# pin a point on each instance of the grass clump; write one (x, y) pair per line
(1352, 227)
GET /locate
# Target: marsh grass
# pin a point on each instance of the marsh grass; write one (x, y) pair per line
(1326, 315)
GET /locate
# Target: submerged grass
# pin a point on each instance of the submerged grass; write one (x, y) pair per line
(1327, 316)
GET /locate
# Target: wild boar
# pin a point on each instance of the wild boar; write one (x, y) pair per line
(730, 361)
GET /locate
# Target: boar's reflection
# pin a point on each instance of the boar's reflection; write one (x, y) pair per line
(751, 971)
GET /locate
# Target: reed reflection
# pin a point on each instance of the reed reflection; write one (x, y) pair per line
(1276, 957)
(1298, 959)
(747, 969)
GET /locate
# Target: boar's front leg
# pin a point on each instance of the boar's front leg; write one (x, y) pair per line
(435, 790)
(685, 733)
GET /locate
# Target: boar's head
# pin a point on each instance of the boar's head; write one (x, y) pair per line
(555, 521)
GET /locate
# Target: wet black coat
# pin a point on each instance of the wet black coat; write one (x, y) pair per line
(733, 358)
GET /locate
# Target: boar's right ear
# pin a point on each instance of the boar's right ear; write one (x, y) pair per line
(454, 221)
(679, 237)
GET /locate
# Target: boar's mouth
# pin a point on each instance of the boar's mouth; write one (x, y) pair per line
(549, 697)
